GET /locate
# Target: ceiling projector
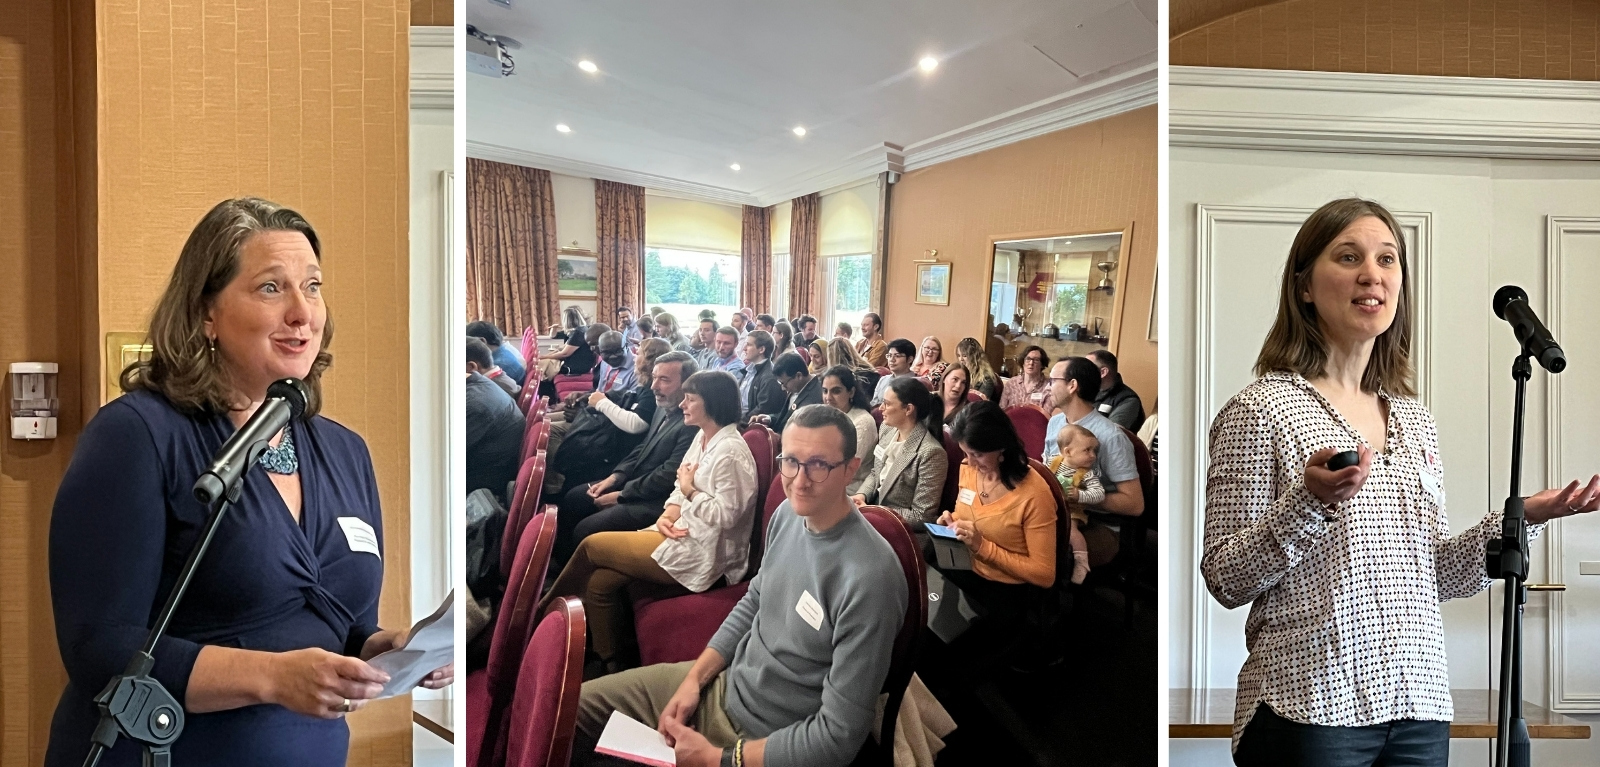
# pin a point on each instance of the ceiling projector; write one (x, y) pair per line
(490, 54)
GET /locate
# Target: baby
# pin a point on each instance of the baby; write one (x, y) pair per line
(1074, 469)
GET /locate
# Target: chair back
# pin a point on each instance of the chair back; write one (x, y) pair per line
(772, 498)
(973, 396)
(530, 347)
(530, 437)
(877, 416)
(882, 372)
(1147, 474)
(1063, 520)
(1031, 425)
(908, 640)
(512, 628)
(544, 707)
(952, 475)
(763, 446)
(524, 503)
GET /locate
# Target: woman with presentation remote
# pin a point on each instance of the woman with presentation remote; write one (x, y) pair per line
(268, 650)
(1343, 569)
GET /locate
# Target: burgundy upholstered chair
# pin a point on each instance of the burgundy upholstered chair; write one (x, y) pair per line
(567, 384)
(544, 707)
(908, 641)
(678, 628)
(530, 347)
(489, 689)
(877, 415)
(1031, 424)
(952, 476)
(523, 507)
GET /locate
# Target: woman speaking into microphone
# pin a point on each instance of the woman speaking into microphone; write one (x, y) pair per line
(268, 650)
(1343, 569)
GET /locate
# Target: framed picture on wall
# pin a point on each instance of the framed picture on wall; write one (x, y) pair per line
(933, 283)
(577, 276)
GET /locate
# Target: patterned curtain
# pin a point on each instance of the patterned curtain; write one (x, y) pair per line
(511, 246)
(755, 267)
(619, 224)
(803, 256)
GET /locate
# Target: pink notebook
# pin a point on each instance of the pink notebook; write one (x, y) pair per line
(627, 738)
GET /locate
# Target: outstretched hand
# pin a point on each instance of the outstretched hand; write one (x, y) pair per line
(1563, 502)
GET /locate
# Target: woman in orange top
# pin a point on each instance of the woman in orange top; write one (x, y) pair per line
(1005, 514)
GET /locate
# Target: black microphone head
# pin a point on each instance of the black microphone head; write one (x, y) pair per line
(292, 391)
(1505, 296)
(1553, 359)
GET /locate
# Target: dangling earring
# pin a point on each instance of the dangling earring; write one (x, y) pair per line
(212, 348)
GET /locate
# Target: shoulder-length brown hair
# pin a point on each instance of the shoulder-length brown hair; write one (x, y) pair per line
(1296, 344)
(182, 366)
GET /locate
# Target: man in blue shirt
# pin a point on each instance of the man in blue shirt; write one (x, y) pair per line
(630, 331)
(616, 364)
(723, 357)
(1074, 383)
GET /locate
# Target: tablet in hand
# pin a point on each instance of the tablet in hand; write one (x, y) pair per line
(941, 530)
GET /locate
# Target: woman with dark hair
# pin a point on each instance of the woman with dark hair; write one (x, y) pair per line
(1005, 513)
(1314, 550)
(507, 358)
(1032, 387)
(702, 536)
(667, 328)
(953, 392)
(841, 391)
(783, 336)
(909, 461)
(268, 650)
(969, 354)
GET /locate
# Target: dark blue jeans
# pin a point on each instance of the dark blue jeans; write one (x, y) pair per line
(1270, 739)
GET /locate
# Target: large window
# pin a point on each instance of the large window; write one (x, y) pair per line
(684, 282)
(847, 289)
(779, 307)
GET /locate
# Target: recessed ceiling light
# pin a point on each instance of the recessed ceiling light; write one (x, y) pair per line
(563, 128)
(588, 66)
(735, 166)
(928, 63)
(799, 130)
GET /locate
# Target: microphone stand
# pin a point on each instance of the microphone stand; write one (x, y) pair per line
(135, 705)
(1508, 560)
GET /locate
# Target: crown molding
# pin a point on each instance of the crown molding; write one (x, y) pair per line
(433, 83)
(1384, 114)
(1132, 88)
(669, 187)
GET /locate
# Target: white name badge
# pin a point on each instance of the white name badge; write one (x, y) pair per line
(809, 609)
(1430, 483)
(966, 496)
(360, 535)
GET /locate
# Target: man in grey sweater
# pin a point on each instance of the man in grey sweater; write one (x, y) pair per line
(810, 642)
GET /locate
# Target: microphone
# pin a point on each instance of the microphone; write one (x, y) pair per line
(1511, 305)
(286, 399)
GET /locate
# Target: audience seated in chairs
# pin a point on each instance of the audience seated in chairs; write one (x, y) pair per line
(606, 426)
(841, 391)
(494, 435)
(616, 369)
(701, 537)
(1005, 514)
(667, 330)
(929, 364)
(759, 390)
(953, 392)
(632, 496)
(898, 355)
(910, 459)
(1074, 469)
(1032, 387)
(984, 381)
(724, 353)
(769, 686)
(801, 387)
(1116, 401)
(481, 360)
(1074, 382)
(506, 357)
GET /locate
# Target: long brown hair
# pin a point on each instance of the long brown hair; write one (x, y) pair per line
(1296, 343)
(182, 366)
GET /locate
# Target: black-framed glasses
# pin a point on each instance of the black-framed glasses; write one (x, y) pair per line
(817, 469)
(1059, 378)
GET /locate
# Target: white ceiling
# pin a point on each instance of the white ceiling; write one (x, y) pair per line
(687, 87)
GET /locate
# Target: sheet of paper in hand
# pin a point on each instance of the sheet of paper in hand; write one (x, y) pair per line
(430, 645)
(627, 738)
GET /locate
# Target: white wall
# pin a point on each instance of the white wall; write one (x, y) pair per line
(1477, 224)
(434, 326)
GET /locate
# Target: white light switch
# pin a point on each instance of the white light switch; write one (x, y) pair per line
(1589, 568)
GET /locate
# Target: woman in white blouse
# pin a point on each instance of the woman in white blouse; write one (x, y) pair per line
(841, 391)
(703, 535)
(1343, 570)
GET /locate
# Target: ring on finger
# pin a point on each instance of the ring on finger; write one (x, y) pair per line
(346, 707)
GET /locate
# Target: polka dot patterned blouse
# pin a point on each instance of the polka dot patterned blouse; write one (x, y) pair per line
(1344, 626)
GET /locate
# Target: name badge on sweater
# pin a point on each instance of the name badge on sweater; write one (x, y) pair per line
(810, 610)
(360, 535)
(966, 496)
(1430, 476)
